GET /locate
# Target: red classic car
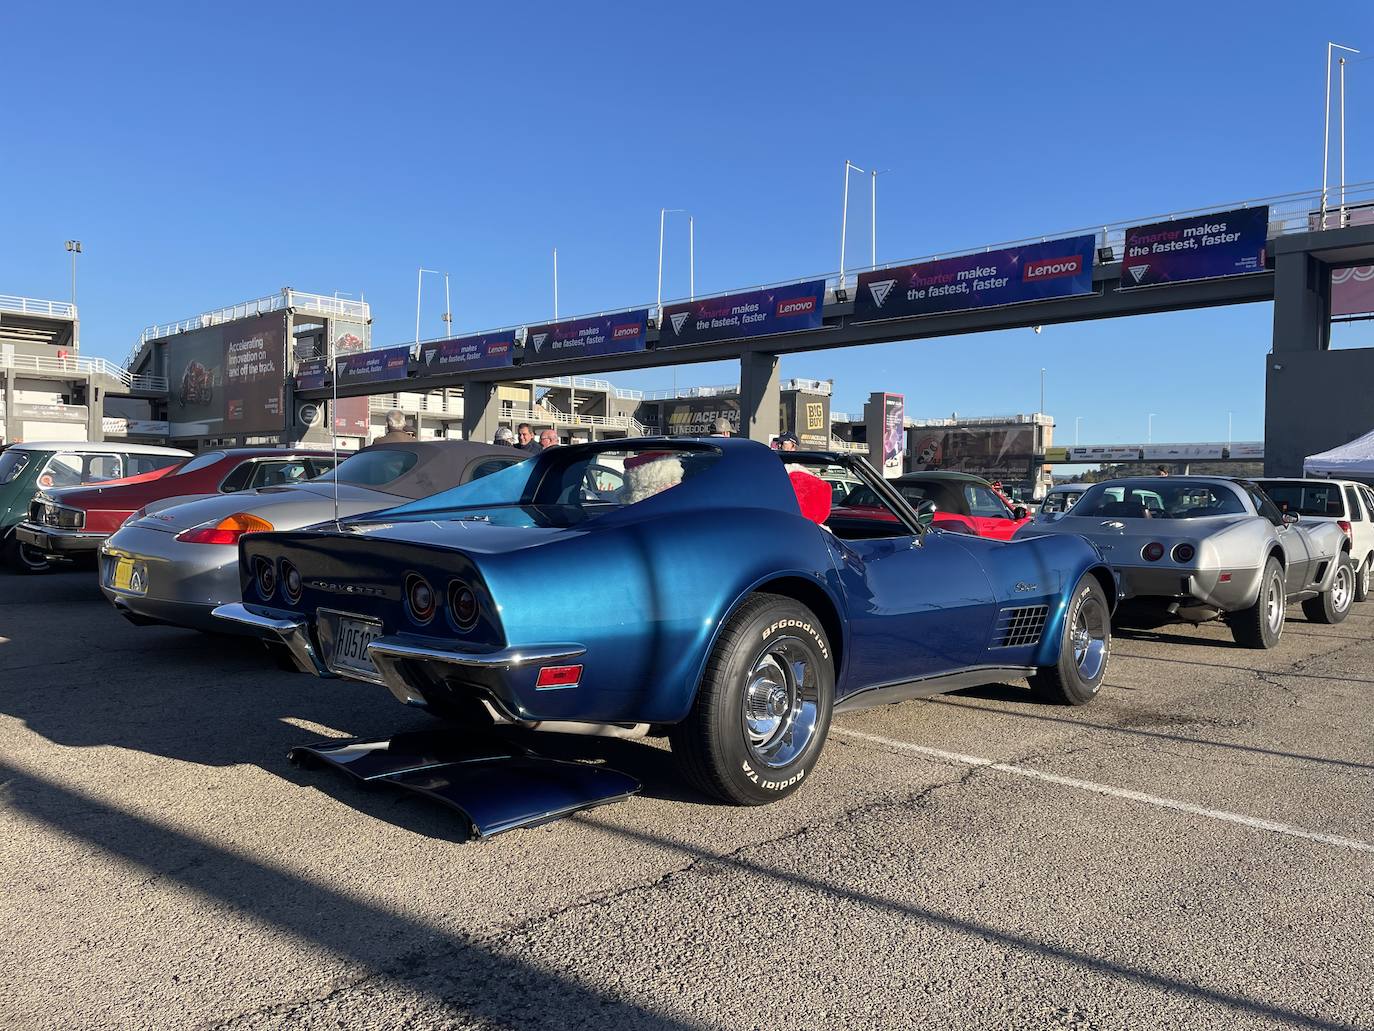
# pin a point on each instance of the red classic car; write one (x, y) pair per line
(72, 521)
(952, 501)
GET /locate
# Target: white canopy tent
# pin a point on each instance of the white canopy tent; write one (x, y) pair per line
(1355, 459)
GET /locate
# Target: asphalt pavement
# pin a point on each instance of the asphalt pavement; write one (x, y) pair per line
(1194, 849)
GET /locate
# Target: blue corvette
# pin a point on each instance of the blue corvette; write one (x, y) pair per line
(695, 585)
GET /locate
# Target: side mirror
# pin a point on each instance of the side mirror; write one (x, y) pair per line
(1019, 512)
(1289, 518)
(925, 513)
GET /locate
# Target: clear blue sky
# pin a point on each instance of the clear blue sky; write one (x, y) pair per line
(207, 155)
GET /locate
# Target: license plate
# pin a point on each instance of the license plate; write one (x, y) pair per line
(351, 639)
(129, 576)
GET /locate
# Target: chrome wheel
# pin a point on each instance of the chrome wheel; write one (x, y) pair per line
(781, 696)
(1090, 637)
(1341, 586)
(1274, 604)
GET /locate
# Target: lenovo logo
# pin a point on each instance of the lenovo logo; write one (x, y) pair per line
(1053, 268)
(626, 331)
(796, 306)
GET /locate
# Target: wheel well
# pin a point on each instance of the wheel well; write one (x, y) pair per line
(1276, 553)
(1108, 583)
(814, 598)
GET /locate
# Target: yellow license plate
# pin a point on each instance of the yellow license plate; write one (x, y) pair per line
(129, 576)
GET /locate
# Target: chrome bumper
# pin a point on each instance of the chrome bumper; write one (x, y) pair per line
(387, 654)
(294, 633)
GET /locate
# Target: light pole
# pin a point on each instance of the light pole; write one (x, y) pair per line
(448, 311)
(1076, 420)
(1228, 429)
(419, 282)
(663, 213)
(1326, 131)
(555, 284)
(849, 166)
(873, 215)
(1150, 429)
(74, 248)
(1042, 391)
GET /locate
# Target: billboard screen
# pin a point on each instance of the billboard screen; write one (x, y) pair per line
(894, 433)
(1014, 275)
(1352, 291)
(311, 373)
(195, 382)
(694, 417)
(485, 351)
(1182, 452)
(350, 416)
(373, 366)
(993, 452)
(808, 416)
(1225, 243)
(782, 309)
(254, 374)
(620, 333)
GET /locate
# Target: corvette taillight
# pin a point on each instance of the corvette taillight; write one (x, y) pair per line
(462, 605)
(1184, 553)
(419, 598)
(1152, 552)
(226, 531)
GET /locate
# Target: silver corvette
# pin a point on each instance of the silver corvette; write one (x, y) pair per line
(175, 563)
(1199, 547)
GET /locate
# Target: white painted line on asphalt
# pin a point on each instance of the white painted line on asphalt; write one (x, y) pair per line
(1106, 789)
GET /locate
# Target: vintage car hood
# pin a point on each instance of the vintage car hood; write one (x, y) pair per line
(286, 508)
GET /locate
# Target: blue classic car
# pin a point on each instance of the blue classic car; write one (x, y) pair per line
(698, 586)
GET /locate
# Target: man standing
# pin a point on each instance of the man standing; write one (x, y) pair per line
(721, 427)
(504, 436)
(524, 433)
(548, 439)
(396, 432)
(788, 441)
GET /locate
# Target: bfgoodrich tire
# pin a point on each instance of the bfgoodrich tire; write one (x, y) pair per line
(763, 708)
(1333, 604)
(1261, 625)
(1085, 645)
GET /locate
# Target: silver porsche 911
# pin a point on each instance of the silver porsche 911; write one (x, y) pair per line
(1201, 547)
(174, 564)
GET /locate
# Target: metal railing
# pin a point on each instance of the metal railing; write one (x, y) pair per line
(588, 383)
(286, 298)
(81, 365)
(542, 414)
(836, 444)
(34, 306)
(434, 404)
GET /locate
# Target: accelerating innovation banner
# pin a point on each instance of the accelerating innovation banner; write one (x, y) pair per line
(783, 309)
(466, 354)
(1224, 243)
(620, 333)
(1014, 275)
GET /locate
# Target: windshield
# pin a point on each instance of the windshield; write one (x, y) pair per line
(569, 486)
(1309, 499)
(1060, 502)
(12, 463)
(200, 462)
(1162, 499)
(372, 468)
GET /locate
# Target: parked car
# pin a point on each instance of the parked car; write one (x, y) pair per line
(173, 565)
(953, 501)
(75, 521)
(840, 482)
(700, 598)
(1061, 498)
(1201, 547)
(1348, 504)
(30, 467)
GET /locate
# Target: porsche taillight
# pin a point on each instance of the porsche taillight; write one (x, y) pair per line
(227, 531)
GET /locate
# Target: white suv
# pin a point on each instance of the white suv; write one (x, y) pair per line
(1344, 502)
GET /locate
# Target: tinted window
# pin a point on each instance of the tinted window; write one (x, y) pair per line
(373, 468)
(1309, 499)
(61, 471)
(1180, 499)
(200, 462)
(488, 466)
(137, 464)
(12, 463)
(273, 473)
(983, 503)
(1355, 513)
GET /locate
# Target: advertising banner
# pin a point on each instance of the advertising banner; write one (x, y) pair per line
(1352, 291)
(894, 434)
(311, 373)
(373, 366)
(621, 333)
(485, 351)
(1014, 275)
(993, 452)
(782, 309)
(808, 416)
(254, 374)
(1056, 454)
(56, 412)
(1225, 243)
(1252, 450)
(1104, 454)
(695, 417)
(1182, 452)
(195, 381)
(350, 416)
